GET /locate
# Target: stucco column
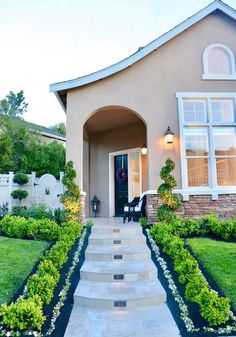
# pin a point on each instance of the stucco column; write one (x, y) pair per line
(74, 147)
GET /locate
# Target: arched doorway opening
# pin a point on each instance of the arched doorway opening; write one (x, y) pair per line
(113, 167)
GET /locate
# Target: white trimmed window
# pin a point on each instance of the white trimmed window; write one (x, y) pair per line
(208, 140)
(218, 63)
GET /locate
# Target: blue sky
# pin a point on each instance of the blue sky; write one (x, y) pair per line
(48, 41)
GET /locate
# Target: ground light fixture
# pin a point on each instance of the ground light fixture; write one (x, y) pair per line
(169, 136)
(144, 149)
(95, 205)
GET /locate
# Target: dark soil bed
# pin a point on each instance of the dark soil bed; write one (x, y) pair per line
(198, 321)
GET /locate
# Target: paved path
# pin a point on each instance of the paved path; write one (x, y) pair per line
(119, 294)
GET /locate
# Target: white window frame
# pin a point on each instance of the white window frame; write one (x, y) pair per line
(213, 188)
(209, 76)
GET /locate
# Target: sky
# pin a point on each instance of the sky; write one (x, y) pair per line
(48, 41)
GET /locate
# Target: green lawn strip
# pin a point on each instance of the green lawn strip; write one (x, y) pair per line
(17, 258)
(219, 260)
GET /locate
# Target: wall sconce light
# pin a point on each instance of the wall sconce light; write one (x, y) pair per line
(144, 149)
(169, 136)
(95, 205)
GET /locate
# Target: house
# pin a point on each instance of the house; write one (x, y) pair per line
(47, 135)
(184, 79)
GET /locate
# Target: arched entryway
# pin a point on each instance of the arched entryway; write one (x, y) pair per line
(113, 167)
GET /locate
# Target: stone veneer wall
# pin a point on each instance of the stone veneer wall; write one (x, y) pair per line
(198, 205)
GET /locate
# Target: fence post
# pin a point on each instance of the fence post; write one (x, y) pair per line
(33, 186)
(11, 175)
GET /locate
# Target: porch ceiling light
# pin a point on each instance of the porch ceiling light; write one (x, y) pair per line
(144, 149)
(169, 136)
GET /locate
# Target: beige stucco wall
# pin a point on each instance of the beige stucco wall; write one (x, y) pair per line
(149, 88)
(100, 145)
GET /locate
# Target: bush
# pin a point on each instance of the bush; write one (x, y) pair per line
(19, 227)
(3, 210)
(23, 314)
(46, 267)
(60, 215)
(19, 211)
(194, 287)
(215, 309)
(170, 201)
(19, 194)
(41, 285)
(20, 178)
(143, 222)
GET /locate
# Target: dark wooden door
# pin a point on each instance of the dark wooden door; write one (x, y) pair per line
(121, 183)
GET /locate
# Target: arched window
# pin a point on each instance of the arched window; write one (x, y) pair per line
(218, 63)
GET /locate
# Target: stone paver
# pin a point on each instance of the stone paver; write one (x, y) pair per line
(119, 294)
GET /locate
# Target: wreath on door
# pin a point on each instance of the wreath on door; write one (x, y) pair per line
(122, 175)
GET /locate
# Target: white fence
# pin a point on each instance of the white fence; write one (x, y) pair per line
(44, 190)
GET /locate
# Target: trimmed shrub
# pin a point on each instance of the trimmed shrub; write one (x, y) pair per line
(41, 285)
(170, 201)
(46, 267)
(20, 178)
(23, 314)
(19, 194)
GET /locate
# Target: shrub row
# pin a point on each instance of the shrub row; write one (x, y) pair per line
(215, 309)
(19, 227)
(27, 312)
(225, 229)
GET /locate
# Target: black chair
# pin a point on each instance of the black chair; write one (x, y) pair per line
(135, 209)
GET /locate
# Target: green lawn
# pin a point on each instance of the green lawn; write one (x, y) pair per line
(17, 258)
(219, 260)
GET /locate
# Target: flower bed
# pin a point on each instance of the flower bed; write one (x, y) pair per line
(214, 309)
(26, 315)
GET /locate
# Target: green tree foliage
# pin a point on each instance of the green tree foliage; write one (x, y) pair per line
(59, 127)
(170, 201)
(46, 158)
(13, 105)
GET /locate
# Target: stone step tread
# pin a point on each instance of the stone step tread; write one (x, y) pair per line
(153, 321)
(120, 236)
(120, 290)
(122, 249)
(117, 267)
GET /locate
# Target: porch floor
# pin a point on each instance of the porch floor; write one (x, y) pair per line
(119, 294)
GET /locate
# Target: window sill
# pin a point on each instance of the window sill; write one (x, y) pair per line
(219, 77)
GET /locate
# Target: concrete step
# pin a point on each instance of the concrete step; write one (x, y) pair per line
(116, 230)
(119, 295)
(153, 321)
(116, 240)
(102, 271)
(116, 253)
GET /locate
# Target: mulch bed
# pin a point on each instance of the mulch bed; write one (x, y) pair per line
(198, 321)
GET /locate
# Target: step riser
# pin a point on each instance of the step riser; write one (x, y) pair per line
(112, 231)
(110, 257)
(109, 277)
(110, 242)
(109, 304)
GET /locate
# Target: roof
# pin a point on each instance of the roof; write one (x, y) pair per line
(61, 88)
(45, 131)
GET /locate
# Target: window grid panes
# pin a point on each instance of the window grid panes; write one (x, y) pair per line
(218, 61)
(210, 147)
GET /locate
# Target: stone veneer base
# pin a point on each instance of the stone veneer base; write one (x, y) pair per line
(198, 205)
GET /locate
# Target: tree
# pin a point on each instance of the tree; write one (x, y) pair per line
(59, 127)
(46, 158)
(13, 105)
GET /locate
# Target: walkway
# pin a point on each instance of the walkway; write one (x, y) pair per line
(119, 294)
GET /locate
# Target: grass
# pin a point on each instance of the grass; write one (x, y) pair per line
(17, 258)
(219, 260)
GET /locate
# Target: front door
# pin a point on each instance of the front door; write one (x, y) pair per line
(121, 183)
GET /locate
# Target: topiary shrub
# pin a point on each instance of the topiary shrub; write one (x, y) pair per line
(71, 197)
(20, 179)
(169, 200)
